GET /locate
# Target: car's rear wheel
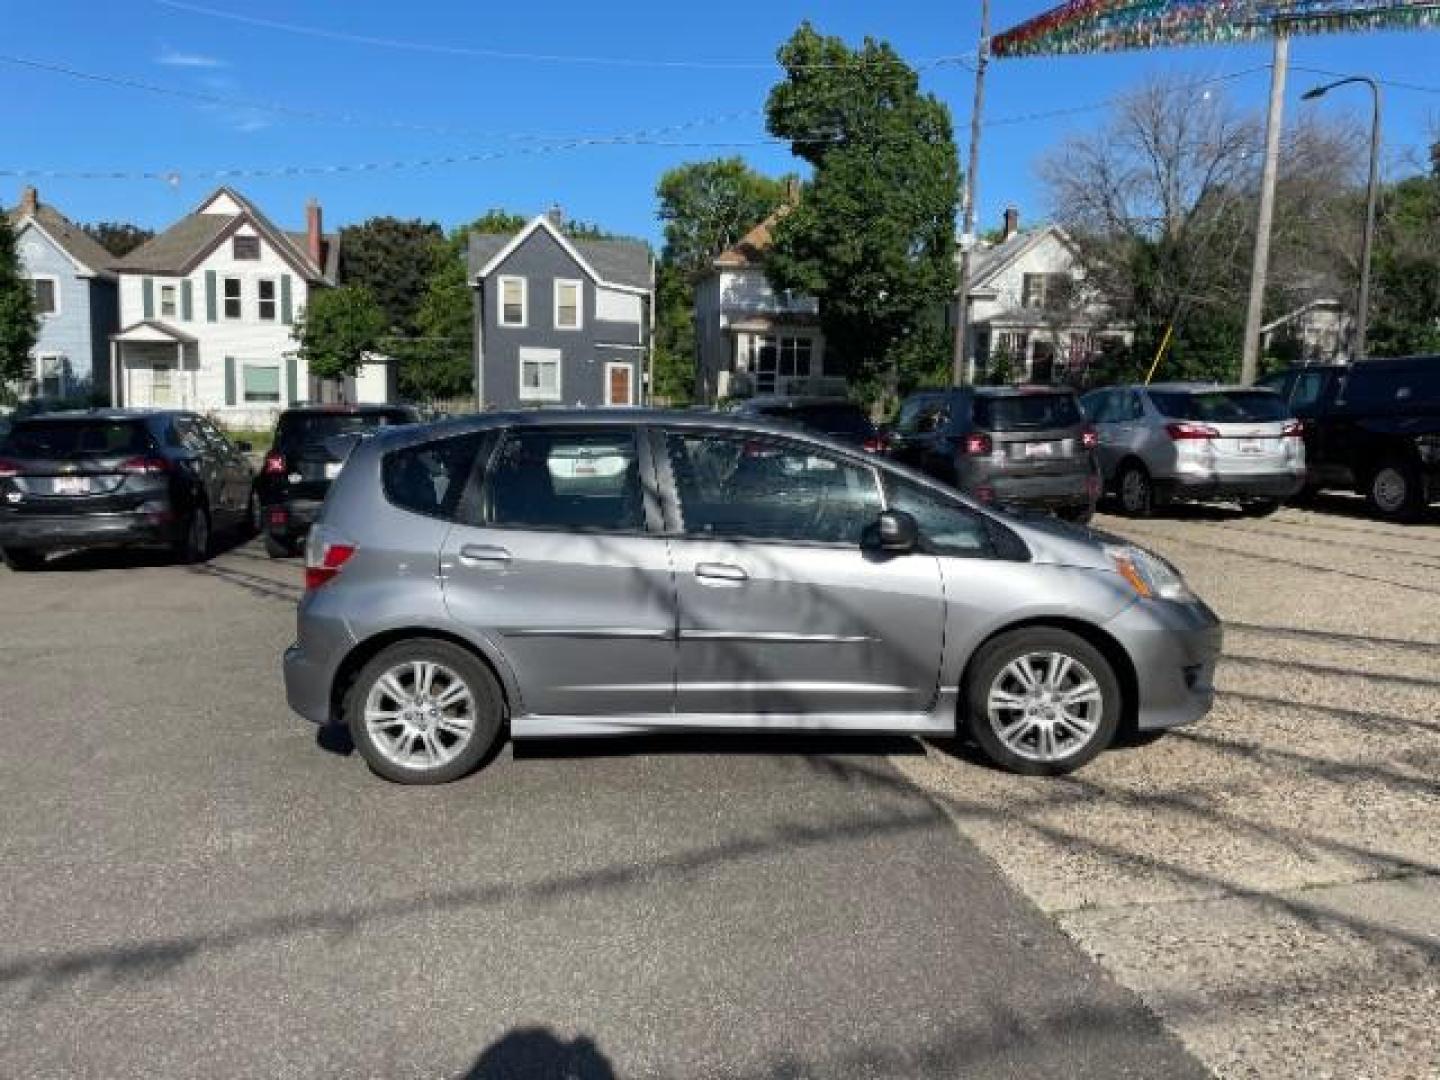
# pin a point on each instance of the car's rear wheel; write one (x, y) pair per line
(23, 559)
(1395, 491)
(192, 541)
(1042, 701)
(1136, 490)
(424, 712)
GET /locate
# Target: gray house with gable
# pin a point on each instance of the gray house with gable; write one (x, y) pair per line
(76, 298)
(560, 322)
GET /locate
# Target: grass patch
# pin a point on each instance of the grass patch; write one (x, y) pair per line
(259, 439)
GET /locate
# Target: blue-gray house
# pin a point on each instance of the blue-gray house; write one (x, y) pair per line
(76, 298)
(560, 321)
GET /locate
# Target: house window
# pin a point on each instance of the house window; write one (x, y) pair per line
(512, 301)
(169, 305)
(567, 304)
(267, 299)
(262, 384)
(784, 357)
(50, 373)
(540, 375)
(232, 297)
(1044, 290)
(46, 291)
(246, 247)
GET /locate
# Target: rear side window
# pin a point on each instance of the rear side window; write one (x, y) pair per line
(1026, 412)
(1412, 386)
(299, 430)
(831, 419)
(430, 478)
(550, 479)
(76, 438)
(919, 415)
(1221, 406)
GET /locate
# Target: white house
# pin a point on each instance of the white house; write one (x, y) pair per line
(751, 339)
(1028, 302)
(207, 310)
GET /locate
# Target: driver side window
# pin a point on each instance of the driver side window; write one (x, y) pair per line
(755, 488)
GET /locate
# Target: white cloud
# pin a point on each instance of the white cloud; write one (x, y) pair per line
(173, 58)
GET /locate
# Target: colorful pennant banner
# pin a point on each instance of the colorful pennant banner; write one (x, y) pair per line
(1086, 26)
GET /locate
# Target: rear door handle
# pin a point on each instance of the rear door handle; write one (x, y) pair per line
(714, 571)
(472, 554)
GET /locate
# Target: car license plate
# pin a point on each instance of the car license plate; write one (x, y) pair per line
(332, 469)
(71, 485)
(1040, 449)
(1252, 446)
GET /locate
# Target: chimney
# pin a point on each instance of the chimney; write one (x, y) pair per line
(29, 200)
(556, 215)
(1012, 223)
(314, 234)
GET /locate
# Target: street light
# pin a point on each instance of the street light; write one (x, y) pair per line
(1362, 314)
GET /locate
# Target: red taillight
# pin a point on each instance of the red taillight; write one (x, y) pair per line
(145, 466)
(274, 463)
(873, 445)
(978, 443)
(1186, 431)
(8, 469)
(1294, 430)
(322, 566)
(279, 516)
(1089, 438)
(985, 493)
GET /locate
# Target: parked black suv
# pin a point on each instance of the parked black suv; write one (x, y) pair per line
(299, 467)
(1027, 446)
(108, 477)
(839, 418)
(1372, 427)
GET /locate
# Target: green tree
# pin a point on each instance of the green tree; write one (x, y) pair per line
(439, 362)
(119, 238)
(1405, 304)
(873, 237)
(706, 206)
(337, 328)
(18, 322)
(392, 258)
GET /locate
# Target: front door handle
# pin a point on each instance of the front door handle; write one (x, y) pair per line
(472, 554)
(714, 571)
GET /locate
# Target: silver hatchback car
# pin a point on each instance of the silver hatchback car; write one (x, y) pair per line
(1197, 441)
(600, 573)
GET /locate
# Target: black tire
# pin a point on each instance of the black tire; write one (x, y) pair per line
(23, 560)
(1395, 491)
(1135, 490)
(254, 520)
(280, 549)
(988, 670)
(1258, 508)
(487, 712)
(192, 539)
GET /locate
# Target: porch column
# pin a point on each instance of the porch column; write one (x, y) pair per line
(115, 395)
(180, 372)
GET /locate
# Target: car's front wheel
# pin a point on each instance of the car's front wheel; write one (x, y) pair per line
(1042, 701)
(1395, 491)
(424, 712)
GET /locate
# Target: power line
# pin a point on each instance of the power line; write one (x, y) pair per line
(1105, 103)
(410, 45)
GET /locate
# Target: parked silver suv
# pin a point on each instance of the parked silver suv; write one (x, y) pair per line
(597, 573)
(1197, 441)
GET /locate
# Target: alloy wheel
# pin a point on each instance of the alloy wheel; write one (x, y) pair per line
(1135, 491)
(420, 714)
(1045, 706)
(1390, 490)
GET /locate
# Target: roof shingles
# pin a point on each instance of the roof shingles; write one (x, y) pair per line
(75, 241)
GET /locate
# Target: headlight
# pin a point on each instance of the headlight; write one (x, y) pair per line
(1149, 575)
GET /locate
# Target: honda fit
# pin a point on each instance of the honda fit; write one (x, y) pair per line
(590, 573)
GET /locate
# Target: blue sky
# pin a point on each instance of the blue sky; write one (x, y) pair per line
(351, 102)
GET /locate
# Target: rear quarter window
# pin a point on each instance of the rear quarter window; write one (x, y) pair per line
(431, 478)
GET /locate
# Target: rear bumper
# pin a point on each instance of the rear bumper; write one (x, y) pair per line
(36, 532)
(1275, 485)
(1070, 490)
(312, 663)
(290, 518)
(1174, 648)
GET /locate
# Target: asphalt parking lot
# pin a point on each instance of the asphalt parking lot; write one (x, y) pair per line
(193, 886)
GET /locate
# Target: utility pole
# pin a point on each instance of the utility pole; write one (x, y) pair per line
(1260, 268)
(959, 360)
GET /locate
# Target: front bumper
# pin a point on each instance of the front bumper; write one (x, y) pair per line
(1174, 648)
(1210, 485)
(49, 532)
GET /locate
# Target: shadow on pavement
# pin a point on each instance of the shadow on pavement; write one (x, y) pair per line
(718, 743)
(538, 1054)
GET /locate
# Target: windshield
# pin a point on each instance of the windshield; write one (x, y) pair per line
(1027, 412)
(838, 419)
(1221, 406)
(312, 429)
(75, 438)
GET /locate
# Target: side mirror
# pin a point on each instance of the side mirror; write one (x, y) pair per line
(896, 532)
(244, 447)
